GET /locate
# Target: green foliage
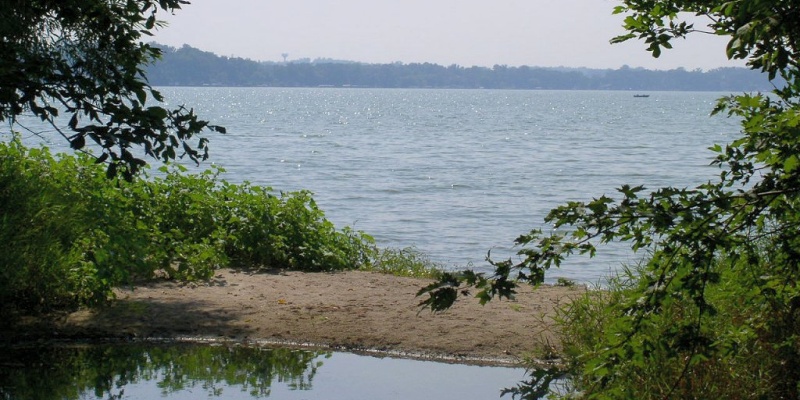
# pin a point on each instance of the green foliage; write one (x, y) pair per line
(764, 32)
(69, 234)
(746, 357)
(718, 293)
(42, 216)
(82, 61)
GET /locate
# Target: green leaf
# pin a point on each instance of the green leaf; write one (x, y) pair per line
(790, 163)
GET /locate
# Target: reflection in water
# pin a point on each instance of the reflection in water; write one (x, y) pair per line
(540, 383)
(189, 371)
(78, 372)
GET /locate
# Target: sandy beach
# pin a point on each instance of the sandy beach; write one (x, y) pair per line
(352, 311)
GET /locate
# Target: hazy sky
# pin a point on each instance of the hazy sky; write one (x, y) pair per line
(573, 33)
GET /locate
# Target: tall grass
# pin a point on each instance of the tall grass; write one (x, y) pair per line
(408, 262)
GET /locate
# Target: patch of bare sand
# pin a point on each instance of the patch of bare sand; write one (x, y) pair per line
(344, 310)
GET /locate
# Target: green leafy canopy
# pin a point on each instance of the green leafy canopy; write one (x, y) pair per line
(83, 60)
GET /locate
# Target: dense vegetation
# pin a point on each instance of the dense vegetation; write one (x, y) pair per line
(187, 66)
(713, 310)
(69, 234)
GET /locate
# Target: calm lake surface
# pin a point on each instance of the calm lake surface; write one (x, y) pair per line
(456, 173)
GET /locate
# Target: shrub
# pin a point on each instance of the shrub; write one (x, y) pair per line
(747, 338)
(69, 234)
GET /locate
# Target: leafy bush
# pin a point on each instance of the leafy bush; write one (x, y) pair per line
(752, 346)
(36, 230)
(69, 234)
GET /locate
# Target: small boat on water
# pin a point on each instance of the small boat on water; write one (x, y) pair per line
(641, 95)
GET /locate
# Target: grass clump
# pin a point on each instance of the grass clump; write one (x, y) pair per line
(564, 282)
(408, 262)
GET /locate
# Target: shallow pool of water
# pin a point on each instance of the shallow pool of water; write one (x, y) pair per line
(183, 371)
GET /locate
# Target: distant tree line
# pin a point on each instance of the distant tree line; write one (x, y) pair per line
(188, 66)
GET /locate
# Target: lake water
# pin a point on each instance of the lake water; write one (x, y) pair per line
(456, 173)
